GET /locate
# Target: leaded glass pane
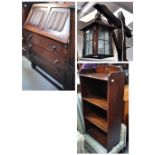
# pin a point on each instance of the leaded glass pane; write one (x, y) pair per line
(107, 49)
(107, 36)
(88, 42)
(100, 47)
(103, 41)
(101, 35)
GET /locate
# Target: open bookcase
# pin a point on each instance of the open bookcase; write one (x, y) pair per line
(102, 92)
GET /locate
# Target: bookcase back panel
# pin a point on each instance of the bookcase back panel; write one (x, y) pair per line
(94, 87)
(96, 133)
(106, 69)
(91, 109)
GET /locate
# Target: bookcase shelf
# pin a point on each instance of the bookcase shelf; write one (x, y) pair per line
(98, 76)
(99, 135)
(98, 101)
(98, 121)
(102, 92)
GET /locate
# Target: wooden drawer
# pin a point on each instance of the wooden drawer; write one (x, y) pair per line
(52, 70)
(49, 44)
(49, 56)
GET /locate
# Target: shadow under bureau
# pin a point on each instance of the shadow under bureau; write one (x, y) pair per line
(49, 33)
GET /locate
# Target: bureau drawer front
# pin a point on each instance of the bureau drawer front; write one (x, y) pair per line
(52, 70)
(50, 57)
(50, 45)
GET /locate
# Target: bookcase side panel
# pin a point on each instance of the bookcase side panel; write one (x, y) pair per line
(115, 103)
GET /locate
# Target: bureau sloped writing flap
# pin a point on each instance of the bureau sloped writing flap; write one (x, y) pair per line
(52, 21)
(57, 21)
(37, 17)
(58, 24)
(62, 22)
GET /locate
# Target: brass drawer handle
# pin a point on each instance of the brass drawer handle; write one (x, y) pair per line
(56, 61)
(54, 48)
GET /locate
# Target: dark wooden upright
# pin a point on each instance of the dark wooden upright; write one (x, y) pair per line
(122, 39)
(102, 92)
(123, 30)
